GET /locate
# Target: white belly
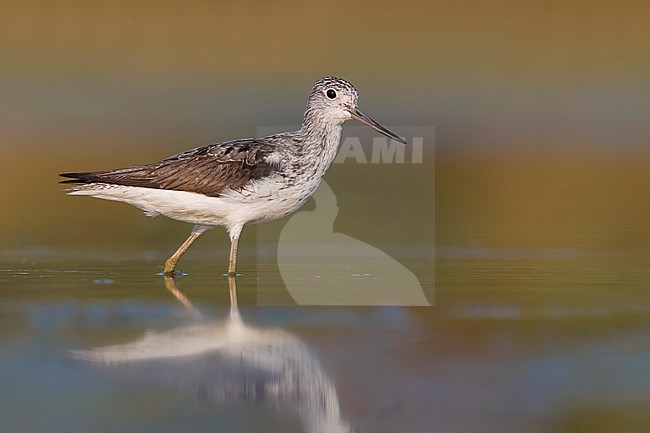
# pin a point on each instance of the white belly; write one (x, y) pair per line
(258, 202)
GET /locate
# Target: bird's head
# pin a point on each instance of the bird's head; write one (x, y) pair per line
(333, 101)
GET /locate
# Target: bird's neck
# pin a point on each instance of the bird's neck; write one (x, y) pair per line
(320, 144)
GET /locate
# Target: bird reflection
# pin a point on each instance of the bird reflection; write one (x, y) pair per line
(230, 361)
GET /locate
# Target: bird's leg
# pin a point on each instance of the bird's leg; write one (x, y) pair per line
(234, 241)
(232, 264)
(170, 264)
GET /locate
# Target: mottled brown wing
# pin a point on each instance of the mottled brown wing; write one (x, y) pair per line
(206, 170)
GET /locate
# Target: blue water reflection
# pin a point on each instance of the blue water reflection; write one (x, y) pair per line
(230, 361)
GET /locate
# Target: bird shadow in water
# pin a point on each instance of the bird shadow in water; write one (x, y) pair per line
(229, 361)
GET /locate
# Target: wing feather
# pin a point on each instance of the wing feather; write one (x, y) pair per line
(207, 170)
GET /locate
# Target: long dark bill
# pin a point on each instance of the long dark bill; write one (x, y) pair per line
(367, 120)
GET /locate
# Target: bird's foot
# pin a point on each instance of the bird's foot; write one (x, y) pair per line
(172, 273)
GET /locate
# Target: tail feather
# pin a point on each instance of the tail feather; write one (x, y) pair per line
(130, 176)
(79, 178)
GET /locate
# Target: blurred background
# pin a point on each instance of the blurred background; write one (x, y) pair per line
(541, 111)
(539, 176)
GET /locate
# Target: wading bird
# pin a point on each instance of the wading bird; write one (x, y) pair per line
(237, 182)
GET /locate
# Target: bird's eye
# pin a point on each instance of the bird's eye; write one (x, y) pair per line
(331, 94)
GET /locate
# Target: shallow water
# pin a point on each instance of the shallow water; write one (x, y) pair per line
(516, 341)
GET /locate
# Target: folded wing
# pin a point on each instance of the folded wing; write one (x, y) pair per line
(207, 170)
